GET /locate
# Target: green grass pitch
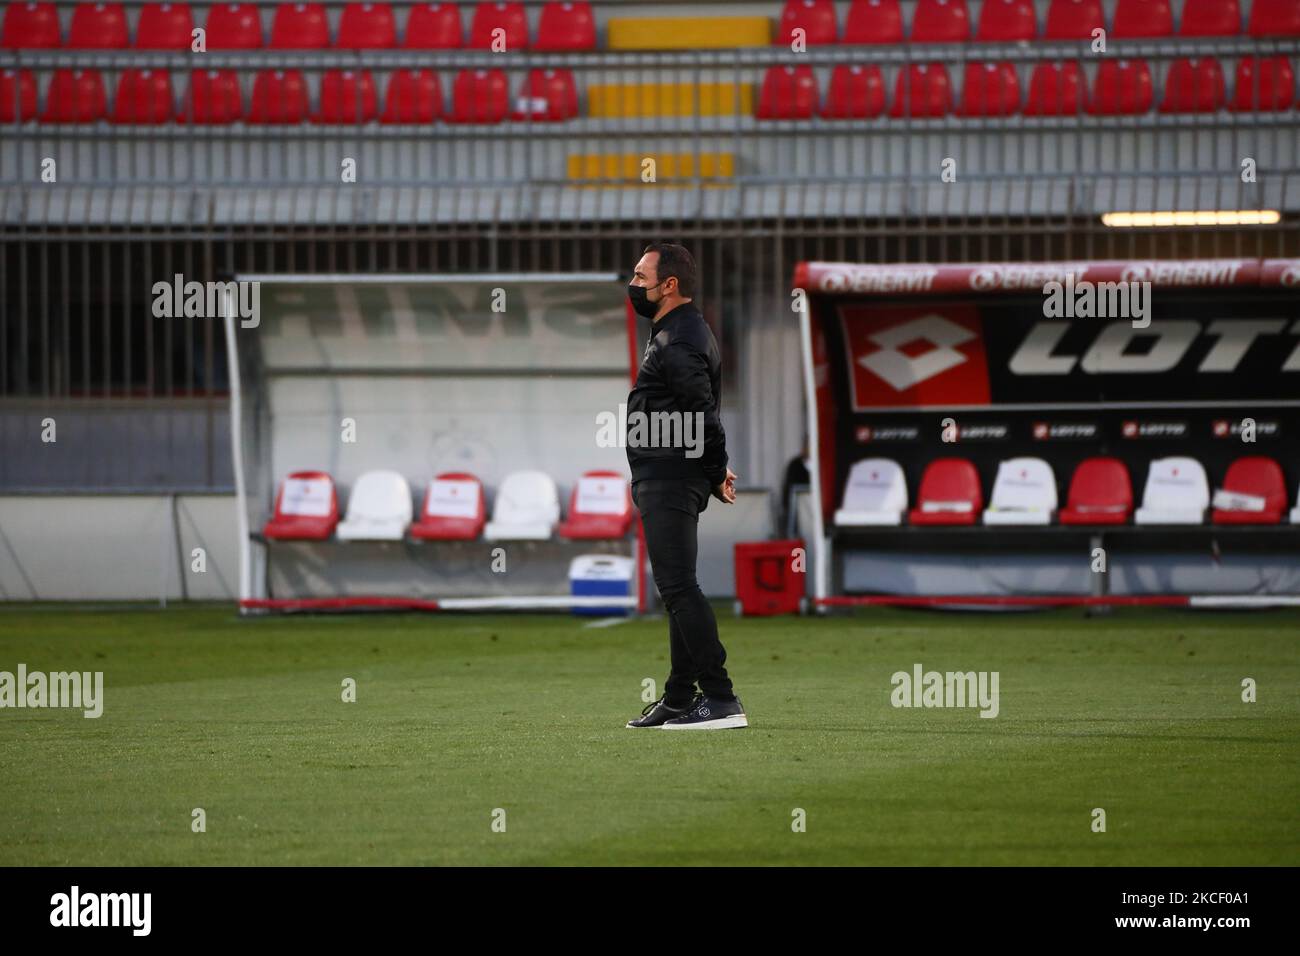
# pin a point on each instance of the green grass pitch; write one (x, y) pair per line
(1139, 713)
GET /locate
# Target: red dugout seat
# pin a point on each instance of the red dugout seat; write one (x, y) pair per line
(1122, 87)
(990, 89)
(455, 509)
(1273, 18)
(144, 97)
(1265, 84)
(213, 98)
(1193, 86)
(279, 96)
(306, 508)
(347, 96)
(479, 96)
(75, 96)
(1056, 89)
(547, 96)
(1210, 18)
(949, 494)
(1251, 481)
(1100, 493)
(433, 26)
(600, 507)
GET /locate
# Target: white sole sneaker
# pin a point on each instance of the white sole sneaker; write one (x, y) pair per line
(721, 723)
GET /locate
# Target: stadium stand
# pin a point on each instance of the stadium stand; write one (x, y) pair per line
(455, 509)
(379, 508)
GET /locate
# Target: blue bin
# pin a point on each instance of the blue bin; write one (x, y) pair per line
(601, 575)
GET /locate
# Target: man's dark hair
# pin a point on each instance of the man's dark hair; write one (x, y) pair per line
(675, 262)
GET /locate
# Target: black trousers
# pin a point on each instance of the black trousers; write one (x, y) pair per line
(670, 512)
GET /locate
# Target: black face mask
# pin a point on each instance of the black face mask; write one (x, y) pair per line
(641, 305)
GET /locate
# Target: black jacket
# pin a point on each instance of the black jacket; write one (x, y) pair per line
(681, 372)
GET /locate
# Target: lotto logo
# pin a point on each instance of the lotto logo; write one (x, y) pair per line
(915, 357)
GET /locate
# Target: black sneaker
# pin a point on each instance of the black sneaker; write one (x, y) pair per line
(710, 714)
(655, 714)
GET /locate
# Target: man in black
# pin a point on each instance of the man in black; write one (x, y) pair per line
(678, 456)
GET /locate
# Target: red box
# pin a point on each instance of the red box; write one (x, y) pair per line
(766, 579)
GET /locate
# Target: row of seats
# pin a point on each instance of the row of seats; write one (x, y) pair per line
(298, 26)
(1121, 87)
(1024, 493)
(527, 508)
(282, 96)
(949, 21)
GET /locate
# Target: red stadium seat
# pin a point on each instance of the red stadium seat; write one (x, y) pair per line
(165, 26)
(940, 21)
(509, 17)
(874, 21)
(455, 509)
(1122, 87)
(75, 96)
(1143, 18)
(306, 508)
(1266, 84)
(1004, 20)
(547, 96)
(98, 26)
(600, 508)
(789, 92)
(479, 96)
(990, 89)
(279, 96)
(565, 27)
(31, 26)
(815, 17)
(1255, 477)
(1272, 18)
(17, 95)
(300, 26)
(367, 26)
(949, 494)
(213, 98)
(433, 26)
(1055, 89)
(1100, 493)
(1073, 19)
(1193, 86)
(347, 96)
(234, 26)
(414, 96)
(922, 90)
(856, 92)
(144, 97)
(1210, 18)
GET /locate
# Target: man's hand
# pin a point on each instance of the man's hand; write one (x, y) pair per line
(726, 492)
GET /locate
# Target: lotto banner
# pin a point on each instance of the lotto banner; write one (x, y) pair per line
(1056, 360)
